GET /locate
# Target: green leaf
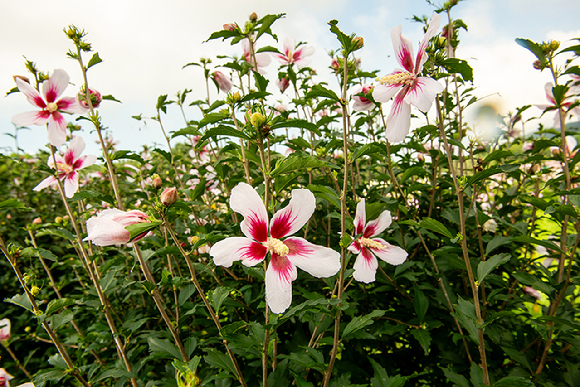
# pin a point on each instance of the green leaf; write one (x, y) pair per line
(327, 193)
(366, 149)
(486, 267)
(265, 24)
(60, 232)
(166, 155)
(413, 171)
(222, 130)
(140, 228)
(125, 154)
(295, 162)
(344, 39)
(114, 373)
(484, 174)
(13, 203)
(211, 118)
(38, 252)
(218, 296)
(476, 375)
(535, 282)
(423, 337)
(109, 97)
(20, 300)
(454, 65)
(185, 293)
(58, 320)
(261, 82)
(456, 379)
(559, 94)
(465, 314)
(536, 202)
(321, 91)
(497, 155)
(513, 381)
(224, 34)
(56, 305)
(255, 95)
(435, 225)
(94, 60)
(220, 360)
(317, 304)
(496, 242)
(517, 356)
(54, 376)
(420, 303)
(359, 322)
(164, 347)
(534, 48)
(296, 123)
(546, 243)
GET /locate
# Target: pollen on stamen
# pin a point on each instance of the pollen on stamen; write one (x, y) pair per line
(277, 246)
(52, 107)
(371, 243)
(402, 78)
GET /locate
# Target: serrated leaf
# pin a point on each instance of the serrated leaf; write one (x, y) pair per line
(435, 225)
(255, 95)
(164, 347)
(210, 118)
(455, 378)
(423, 337)
(114, 373)
(454, 65)
(295, 163)
(94, 60)
(486, 267)
(533, 47)
(140, 228)
(185, 294)
(13, 203)
(496, 242)
(359, 322)
(220, 360)
(420, 303)
(296, 123)
(56, 305)
(513, 381)
(54, 376)
(367, 149)
(320, 91)
(20, 300)
(535, 282)
(38, 252)
(58, 320)
(218, 296)
(261, 82)
(484, 175)
(326, 193)
(546, 243)
(222, 130)
(126, 154)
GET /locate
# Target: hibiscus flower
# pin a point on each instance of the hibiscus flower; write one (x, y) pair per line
(566, 103)
(108, 227)
(287, 253)
(361, 103)
(409, 87)
(263, 59)
(51, 107)
(368, 248)
(67, 166)
(4, 329)
(293, 55)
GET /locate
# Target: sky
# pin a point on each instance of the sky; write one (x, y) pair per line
(144, 46)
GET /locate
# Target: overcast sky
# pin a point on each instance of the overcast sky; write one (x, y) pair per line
(145, 43)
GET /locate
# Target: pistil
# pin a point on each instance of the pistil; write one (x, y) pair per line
(402, 78)
(276, 246)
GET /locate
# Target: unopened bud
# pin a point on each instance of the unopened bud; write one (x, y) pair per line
(26, 278)
(37, 221)
(22, 78)
(169, 196)
(94, 96)
(257, 119)
(421, 157)
(554, 45)
(231, 27)
(58, 219)
(156, 181)
(234, 98)
(27, 329)
(537, 64)
(254, 16)
(358, 42)
(35, 290)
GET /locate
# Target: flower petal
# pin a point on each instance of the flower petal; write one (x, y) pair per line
(31, 118)
(246, 201)
(360, 218)
(229, 250)
(384, 93)
(318, 261)
(55, 85)
(56, 129)
(389, 253)
(84, 161)
(103, 231)
(423, 92)
(399, 120)
(378, 225)
(421, 57)
(71, 184)
(403, 48)
(70, 105)
(290, 219)
(30, 92)
(75, 148)
(355, 247)
(365, 266)
(51, 180)
(279, 276)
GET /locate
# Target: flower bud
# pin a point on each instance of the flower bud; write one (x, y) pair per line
(22, 78)
(334, 64)
(420, 157)
(257, 119)
(358, 43)
(234, 98)
(156, 182)
(537, 64)
(283, 84)
(169, 196)
(231, 27)
(27, 329)
(37, 221)
(58, 219)
(94, 95)
(35, 290)
(554, 45)
(254, 16)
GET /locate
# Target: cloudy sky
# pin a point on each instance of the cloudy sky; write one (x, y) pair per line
(144, 46)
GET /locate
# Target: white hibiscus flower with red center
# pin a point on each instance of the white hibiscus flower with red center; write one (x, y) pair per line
(368, 247)
(287, 253)
(51, 106)
(409, 87)
(68, 166)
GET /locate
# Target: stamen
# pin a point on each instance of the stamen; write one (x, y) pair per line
(402, 78)
(52, 107)
(371, 243)
(276, 246)
(65, 168)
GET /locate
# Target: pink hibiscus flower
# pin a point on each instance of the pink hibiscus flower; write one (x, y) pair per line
(293, 55)
(4, 329)
(361, 103)
(368, 248)
(287, 253)
(223, 82)
(67, 166)
(409, 87)
(108, 227)
(566, 103)
(51, 108)
(263, 59)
